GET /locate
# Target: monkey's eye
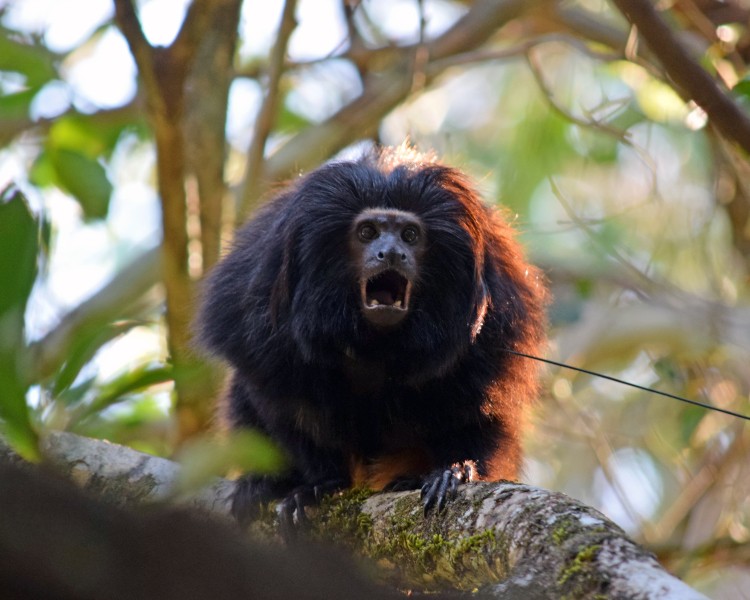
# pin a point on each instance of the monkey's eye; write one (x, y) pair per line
(367, 232)
(410, 235)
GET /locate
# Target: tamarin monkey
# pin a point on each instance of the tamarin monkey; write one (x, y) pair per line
(365, 313)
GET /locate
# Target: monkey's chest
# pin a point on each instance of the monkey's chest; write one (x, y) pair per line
(383, 443)
(365, 378)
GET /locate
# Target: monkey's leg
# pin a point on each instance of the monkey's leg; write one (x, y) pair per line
(253, 491)
(322, 470)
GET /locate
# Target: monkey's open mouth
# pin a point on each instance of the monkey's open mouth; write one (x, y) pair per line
(388, 288)
(385, 297)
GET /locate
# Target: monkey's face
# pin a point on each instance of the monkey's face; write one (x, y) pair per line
(387, 246)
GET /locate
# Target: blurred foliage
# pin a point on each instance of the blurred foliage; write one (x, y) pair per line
(19, 245)
(243, 451)
(635, 207)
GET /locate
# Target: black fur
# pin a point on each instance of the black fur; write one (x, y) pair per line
(346, 399)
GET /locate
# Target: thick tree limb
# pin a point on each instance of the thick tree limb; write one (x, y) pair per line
(541, 544)
(685, 71)
(126, 477)
(512, 539)
(205, 121)
(165, 73)
(162, 72)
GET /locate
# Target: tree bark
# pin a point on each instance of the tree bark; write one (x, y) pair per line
(511, 540)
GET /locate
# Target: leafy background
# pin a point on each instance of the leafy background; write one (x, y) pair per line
(634, 205)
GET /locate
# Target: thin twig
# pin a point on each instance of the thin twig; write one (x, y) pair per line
(522, 49)
(380, 95)
(536, 71)
(255, 170)
(421, 54)
(621, 136)
(142, 51)
(586, 229)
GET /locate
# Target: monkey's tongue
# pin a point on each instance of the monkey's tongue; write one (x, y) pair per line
(382, 296)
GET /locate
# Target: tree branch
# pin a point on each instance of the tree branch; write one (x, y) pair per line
(255, 167)
(684, 70)
(143, 53)
(205, 122)
(189, 39)
(165, 73)
(513, 539)
(384, 91)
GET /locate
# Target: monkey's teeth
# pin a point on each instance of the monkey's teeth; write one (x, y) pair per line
(374, 303)
(397, 304)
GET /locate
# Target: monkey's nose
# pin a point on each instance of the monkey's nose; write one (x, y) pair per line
(391, 256)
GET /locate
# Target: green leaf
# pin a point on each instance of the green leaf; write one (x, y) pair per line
(42, 172)
(21, 437)
(87, 343)
(84, 178)
(85, 134)
(19, 244)
(206, 458)
(741, 91)
(690, 419)
(36, 62)
(291, 122)
(118, 389)
(71, 158)
(15, 107)
(76, 394)
(742, 88)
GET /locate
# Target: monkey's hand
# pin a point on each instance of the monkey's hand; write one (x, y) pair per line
(293, 505)
(253, 491)
(440, 486)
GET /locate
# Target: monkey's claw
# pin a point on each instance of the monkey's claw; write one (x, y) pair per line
(294, 504)
(251, 492)
(440, 486)
(292, 515)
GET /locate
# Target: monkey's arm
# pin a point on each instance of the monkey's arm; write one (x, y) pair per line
(469, 446)
(314, 469)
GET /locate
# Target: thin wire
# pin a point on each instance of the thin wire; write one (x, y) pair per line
(635, 385)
